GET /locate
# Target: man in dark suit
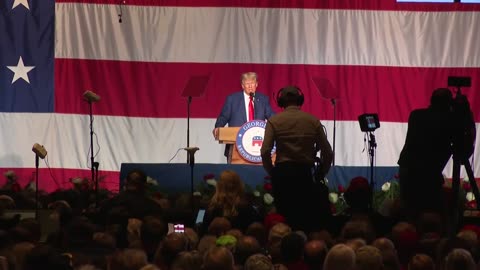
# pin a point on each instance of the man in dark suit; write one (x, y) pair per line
(243, 106)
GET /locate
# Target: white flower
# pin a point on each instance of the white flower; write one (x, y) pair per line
(32, 186)
(470, 196)
(77, 180)
(197, 193)
(212, 182)
(386, 186)
(268, 198)
(326, 180)
(333, 197)
(256, 193)
(465, 179)
(152, 181)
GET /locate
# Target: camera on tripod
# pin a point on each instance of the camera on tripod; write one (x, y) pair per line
(454, 81)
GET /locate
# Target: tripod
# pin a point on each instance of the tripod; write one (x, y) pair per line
(464, 132)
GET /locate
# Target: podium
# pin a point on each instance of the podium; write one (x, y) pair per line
(228, 135)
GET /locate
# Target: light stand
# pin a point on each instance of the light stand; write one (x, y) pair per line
(369, 122)
(40, 152)
(372, 146)
(91, 97)
(189, 101)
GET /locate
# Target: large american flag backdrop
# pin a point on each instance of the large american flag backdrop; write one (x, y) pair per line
(371, 56)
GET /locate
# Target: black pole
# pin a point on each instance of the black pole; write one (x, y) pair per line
(189, 101)
(37, 163)
(92, 158)
(372, 145)
(191, 161)
(334, 103)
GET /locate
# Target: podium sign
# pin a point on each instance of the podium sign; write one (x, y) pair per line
(247, 141)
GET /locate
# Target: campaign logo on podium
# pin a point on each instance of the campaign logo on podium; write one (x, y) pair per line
(250, 140)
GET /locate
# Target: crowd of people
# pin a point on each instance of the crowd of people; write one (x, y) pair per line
(131, 231)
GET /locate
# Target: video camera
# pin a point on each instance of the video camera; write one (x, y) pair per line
(464, 137)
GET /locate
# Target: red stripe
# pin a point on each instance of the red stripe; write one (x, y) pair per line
(51, 180)
(141, 89)
(307, 4)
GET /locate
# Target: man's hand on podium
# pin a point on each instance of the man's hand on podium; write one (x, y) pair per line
(215, 133)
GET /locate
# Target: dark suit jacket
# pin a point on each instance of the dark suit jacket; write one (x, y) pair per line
(234, 115)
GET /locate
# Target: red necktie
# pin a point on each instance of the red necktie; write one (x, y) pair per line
(250, 109)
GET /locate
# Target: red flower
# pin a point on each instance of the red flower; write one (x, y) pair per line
(16, 187)
(466, 186)
(333, 209)
(267, 187)
(472, 204)
(396, 176)
(84, 186)
(208, 176)
(157, 195)
(341, 189)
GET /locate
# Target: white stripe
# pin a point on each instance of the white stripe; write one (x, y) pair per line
(154, 140)
(268, 35)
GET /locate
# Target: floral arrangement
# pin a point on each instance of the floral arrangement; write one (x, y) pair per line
(470, 200)
(206, 188)
(263, 195)
(337, 199)
(384, 199)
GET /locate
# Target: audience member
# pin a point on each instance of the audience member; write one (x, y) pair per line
(187, 260)
(218, 258)
(340, 257)
(368, 258)
(421, 262)
(459, 259)
(315, 252)
(229, 201)
(258, 262)
(246, 246)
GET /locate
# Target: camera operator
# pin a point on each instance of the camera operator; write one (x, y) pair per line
(427, 149)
